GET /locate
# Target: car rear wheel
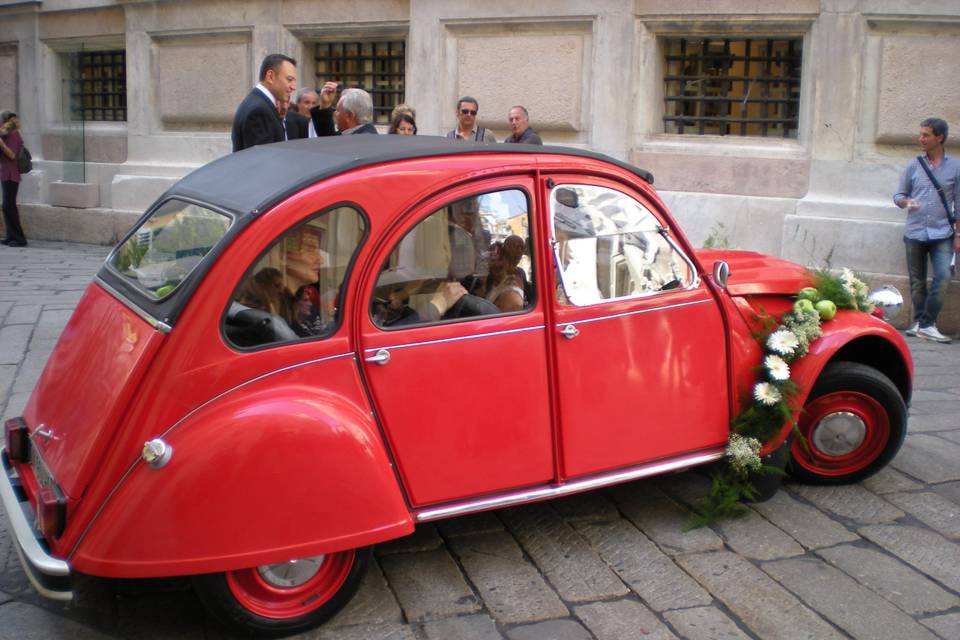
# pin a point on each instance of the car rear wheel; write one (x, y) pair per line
(852, 425)
(280, 599)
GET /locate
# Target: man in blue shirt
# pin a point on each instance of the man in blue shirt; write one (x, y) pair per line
(928, 233)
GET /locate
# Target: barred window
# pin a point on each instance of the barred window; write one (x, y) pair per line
(732, 86)
(98, 85)
(375, 67)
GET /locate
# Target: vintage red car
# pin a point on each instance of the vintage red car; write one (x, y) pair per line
(307, 348)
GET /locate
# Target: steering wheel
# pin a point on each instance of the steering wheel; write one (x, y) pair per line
(469, 306)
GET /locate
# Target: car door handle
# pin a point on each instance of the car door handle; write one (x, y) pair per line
(381, 357)
(570, 332)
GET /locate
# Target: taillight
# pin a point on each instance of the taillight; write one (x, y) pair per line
(17, 439)
(51, 512)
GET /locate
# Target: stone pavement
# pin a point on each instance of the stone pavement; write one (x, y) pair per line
(876, 560)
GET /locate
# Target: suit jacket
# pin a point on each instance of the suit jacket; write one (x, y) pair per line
(324, 126)
(296, 125)
(256, 122)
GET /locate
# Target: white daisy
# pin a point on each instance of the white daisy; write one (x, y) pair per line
(777, 368)
(767, 394)
(782, 341)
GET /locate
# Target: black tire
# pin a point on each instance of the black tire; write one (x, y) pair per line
(854, 397)
(237, 607)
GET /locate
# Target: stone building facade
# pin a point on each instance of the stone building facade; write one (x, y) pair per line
(809, 108)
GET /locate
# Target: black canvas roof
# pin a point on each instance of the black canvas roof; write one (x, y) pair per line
(255, 179)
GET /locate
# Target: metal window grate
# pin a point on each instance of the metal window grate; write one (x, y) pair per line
(729, 86)
(98, 85)
(376, 67)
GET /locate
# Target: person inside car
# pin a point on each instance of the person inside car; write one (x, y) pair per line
(502, 286)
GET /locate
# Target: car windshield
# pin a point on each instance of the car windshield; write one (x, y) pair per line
(168, 246)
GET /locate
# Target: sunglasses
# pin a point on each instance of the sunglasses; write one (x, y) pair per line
(468, 112)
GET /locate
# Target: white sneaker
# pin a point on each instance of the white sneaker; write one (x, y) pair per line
(931, 333)
(912, 329)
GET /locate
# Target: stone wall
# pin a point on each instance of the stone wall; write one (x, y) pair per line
(591, 75)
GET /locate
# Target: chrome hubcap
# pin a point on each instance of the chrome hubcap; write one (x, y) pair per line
(291, 573)
(838, 434)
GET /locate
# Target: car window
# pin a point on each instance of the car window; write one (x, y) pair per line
(293, 291)
(468, 258)
(168, 246)
(609, 246)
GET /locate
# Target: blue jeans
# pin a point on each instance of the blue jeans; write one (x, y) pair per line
(927, 302)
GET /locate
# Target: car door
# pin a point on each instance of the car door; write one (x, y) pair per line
(460, 385)
(640, 343)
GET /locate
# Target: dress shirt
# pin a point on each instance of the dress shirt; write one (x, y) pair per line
(929, 222)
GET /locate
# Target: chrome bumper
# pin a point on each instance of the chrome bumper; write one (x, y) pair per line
(50, 576)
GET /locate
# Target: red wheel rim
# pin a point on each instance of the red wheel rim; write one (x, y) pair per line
(857, 408)
(267, 600)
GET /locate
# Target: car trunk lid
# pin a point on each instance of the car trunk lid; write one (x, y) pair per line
(89, 380)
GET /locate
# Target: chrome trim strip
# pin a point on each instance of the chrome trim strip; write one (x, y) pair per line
(576, 486)
(456, 339)
(634, 313)
(139, 459)
(35, 555)
(156, 324)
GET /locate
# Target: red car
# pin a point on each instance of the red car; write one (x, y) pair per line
(307, 348)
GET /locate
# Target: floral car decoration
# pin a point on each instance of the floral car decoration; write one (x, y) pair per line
(787, 342)
(304, 349)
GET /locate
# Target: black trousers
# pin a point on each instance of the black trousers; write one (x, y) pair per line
(11, 215)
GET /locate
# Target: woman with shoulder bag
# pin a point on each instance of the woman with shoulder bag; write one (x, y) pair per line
(10, 145)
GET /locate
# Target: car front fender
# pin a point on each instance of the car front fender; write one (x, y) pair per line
(852, 336)
(280, 472)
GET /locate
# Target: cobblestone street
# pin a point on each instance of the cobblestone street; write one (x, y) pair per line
(877, 560)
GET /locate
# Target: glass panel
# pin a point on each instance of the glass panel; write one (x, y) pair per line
(610, 246)
(168, 246)
(469, 258)
(293, 291)
(95, 83)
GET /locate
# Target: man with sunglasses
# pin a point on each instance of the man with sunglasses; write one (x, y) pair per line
(467, 129)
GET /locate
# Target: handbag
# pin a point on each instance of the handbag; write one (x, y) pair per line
(951, 214)
(24, 160)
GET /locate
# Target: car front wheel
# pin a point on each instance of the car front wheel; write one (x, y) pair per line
(851, 426)
(281, 599)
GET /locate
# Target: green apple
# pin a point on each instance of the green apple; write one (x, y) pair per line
(164, 290)
(809, 293)
(803, 306)
(826, 309)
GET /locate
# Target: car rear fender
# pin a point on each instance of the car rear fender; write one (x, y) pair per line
(280, 472)
(853, 337)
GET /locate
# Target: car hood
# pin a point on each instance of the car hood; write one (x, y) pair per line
(754, 273)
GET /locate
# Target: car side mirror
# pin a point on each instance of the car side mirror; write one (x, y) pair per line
(721, 273)
(567, 197)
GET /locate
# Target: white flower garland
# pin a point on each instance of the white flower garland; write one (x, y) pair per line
(787, 343)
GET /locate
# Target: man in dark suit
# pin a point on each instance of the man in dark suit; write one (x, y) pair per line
(257, 120)
(294, 124)
(354, 112)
